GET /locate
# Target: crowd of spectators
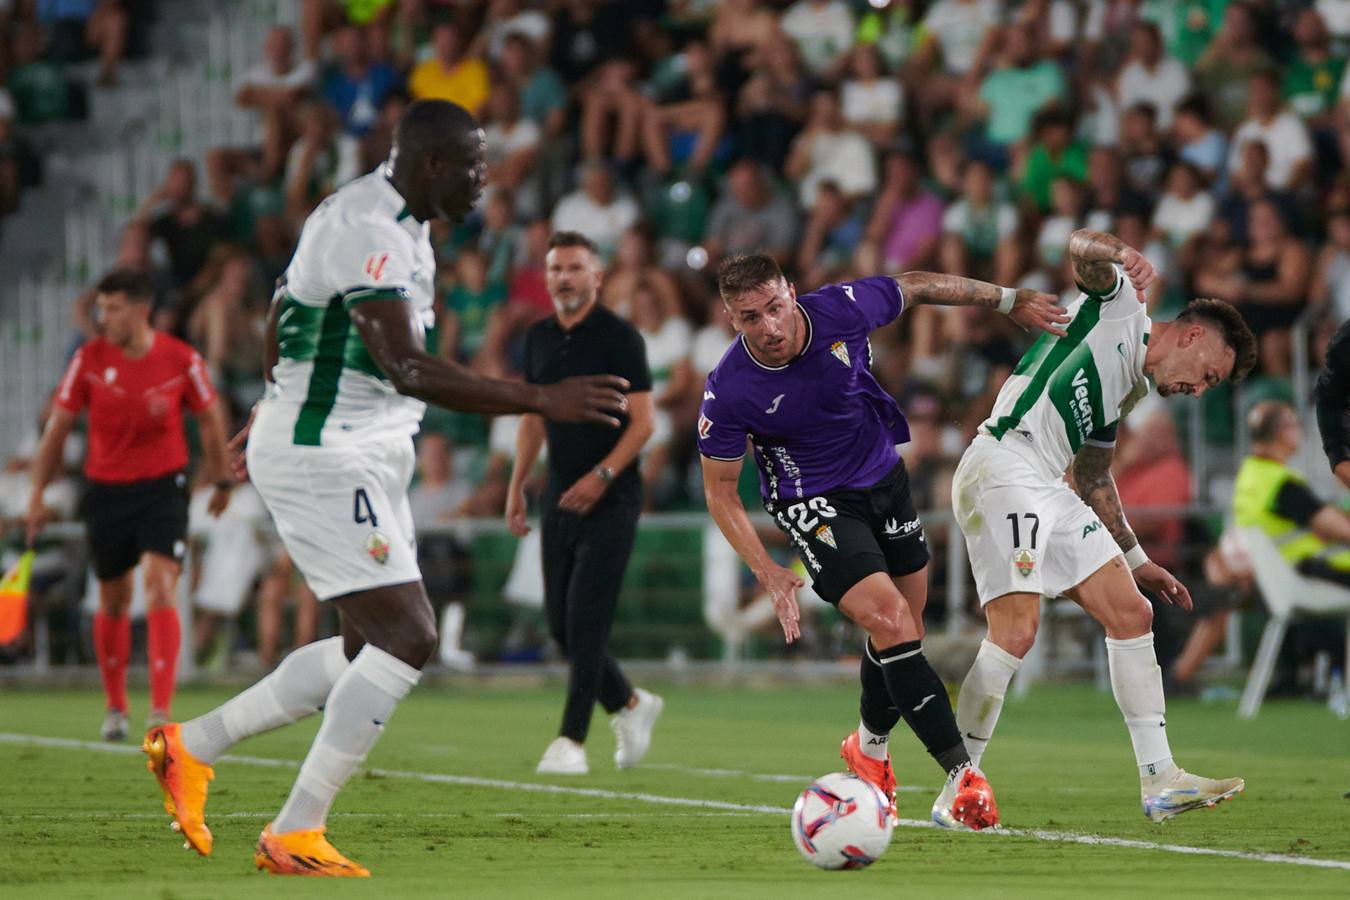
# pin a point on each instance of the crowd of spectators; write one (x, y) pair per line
(845, 138)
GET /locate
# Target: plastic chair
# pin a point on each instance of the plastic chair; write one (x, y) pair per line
(1287, 593)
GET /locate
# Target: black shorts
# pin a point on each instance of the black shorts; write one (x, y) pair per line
(846, 535)
(124, 521)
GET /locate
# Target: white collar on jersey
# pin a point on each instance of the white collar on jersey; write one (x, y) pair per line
(395, 205)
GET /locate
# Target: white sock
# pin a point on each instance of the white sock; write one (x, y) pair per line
(981, 697)
(1136, 680)
(358, 706)
(872, 745)
(294, 690)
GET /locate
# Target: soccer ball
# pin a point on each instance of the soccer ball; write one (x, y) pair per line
(841, 822)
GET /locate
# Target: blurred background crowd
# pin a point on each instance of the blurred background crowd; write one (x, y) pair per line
(845, 138)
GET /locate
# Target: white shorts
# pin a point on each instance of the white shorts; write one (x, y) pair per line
(342, 512)
(1024, 534)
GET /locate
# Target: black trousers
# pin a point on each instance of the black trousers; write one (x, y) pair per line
(584, 561)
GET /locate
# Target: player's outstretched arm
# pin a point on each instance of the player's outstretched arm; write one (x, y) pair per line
(1095, 254)
(1093, 481)
(1030, 309)
(394, 338)
(720, 478)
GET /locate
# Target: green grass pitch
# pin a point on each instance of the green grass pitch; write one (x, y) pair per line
(79, 822)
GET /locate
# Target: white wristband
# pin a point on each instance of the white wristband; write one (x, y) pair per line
(1135, 557)
(1009, 298)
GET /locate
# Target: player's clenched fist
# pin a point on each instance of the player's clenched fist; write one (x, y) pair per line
(1139, 270)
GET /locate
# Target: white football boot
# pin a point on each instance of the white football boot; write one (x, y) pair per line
(114, 726)
(633, 728)
(563, 757)
(1183, 791)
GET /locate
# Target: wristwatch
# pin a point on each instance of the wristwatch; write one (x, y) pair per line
(225, 485)
(604, 473)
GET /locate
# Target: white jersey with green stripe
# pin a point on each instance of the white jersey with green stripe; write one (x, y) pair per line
(359, 246)
(1070, 391)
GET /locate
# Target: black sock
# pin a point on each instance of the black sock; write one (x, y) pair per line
(878, 712)
(922, 700)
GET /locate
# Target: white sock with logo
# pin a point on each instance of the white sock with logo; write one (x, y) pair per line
(981, 698)
(358, 706)
(872, 745)
(294, 690)
(1136, 680)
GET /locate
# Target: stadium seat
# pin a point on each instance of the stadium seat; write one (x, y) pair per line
(1287, 593)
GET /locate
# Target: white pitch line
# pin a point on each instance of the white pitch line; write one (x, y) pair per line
(1062, 837)
(761, 776)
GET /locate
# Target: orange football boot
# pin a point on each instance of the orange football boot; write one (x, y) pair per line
(876, 772)
(183, 779)
(304, 852)
(974, 806)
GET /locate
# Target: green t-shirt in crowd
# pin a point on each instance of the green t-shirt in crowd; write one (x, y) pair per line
(472, 308)
(1041, 171)
(40, 92)
(1314, 89)
(1014, 95)
(542, 94)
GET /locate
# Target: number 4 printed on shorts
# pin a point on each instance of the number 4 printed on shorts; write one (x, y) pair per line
(358, 501)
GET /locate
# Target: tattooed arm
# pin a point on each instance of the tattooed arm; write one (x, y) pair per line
(1091, 471)
(1030, 309)
(1093, 481)
(1094, 254)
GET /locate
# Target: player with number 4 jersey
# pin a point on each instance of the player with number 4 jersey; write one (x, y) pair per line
(1029, 534)
(797, 386)
(330, 450)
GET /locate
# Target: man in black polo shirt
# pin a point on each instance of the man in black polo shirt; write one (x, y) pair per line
(591, 504)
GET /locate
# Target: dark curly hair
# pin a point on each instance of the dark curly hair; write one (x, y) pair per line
(1225, 317)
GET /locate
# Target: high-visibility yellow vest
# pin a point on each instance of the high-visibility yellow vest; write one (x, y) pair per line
(1258, 484)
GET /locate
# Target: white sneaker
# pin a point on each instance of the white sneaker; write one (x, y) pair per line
(563, 757)
(114, 726)
(1183, 792)
(633, 728)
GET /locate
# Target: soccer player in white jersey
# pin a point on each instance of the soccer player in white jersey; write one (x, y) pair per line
(330, 450)
(1030, 534)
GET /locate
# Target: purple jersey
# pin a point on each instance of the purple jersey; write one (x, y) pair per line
(820, 422)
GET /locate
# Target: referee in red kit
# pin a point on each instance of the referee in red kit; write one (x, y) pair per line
(135, 382)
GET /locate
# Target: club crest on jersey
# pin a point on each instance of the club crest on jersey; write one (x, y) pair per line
(825, 535)
(705, 425)
(840, 351)
(375, 264)
(1024, 561)
(377, 545)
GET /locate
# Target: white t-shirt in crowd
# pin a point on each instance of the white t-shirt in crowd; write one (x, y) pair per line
(260, 75)
(602, 224)
(821, 31)
(1285, 136)
(1178, 219)
(1164, 87)
(959, 27)
(844, 157)
(881, 101)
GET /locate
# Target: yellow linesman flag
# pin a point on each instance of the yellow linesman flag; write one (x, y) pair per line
(14, 598)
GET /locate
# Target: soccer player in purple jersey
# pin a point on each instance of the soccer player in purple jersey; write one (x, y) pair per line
(796, 385)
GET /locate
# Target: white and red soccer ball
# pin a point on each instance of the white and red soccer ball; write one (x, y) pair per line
(841, 822)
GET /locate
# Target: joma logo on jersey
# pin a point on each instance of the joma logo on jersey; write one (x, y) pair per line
(1082, 406)
(1088, 529)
